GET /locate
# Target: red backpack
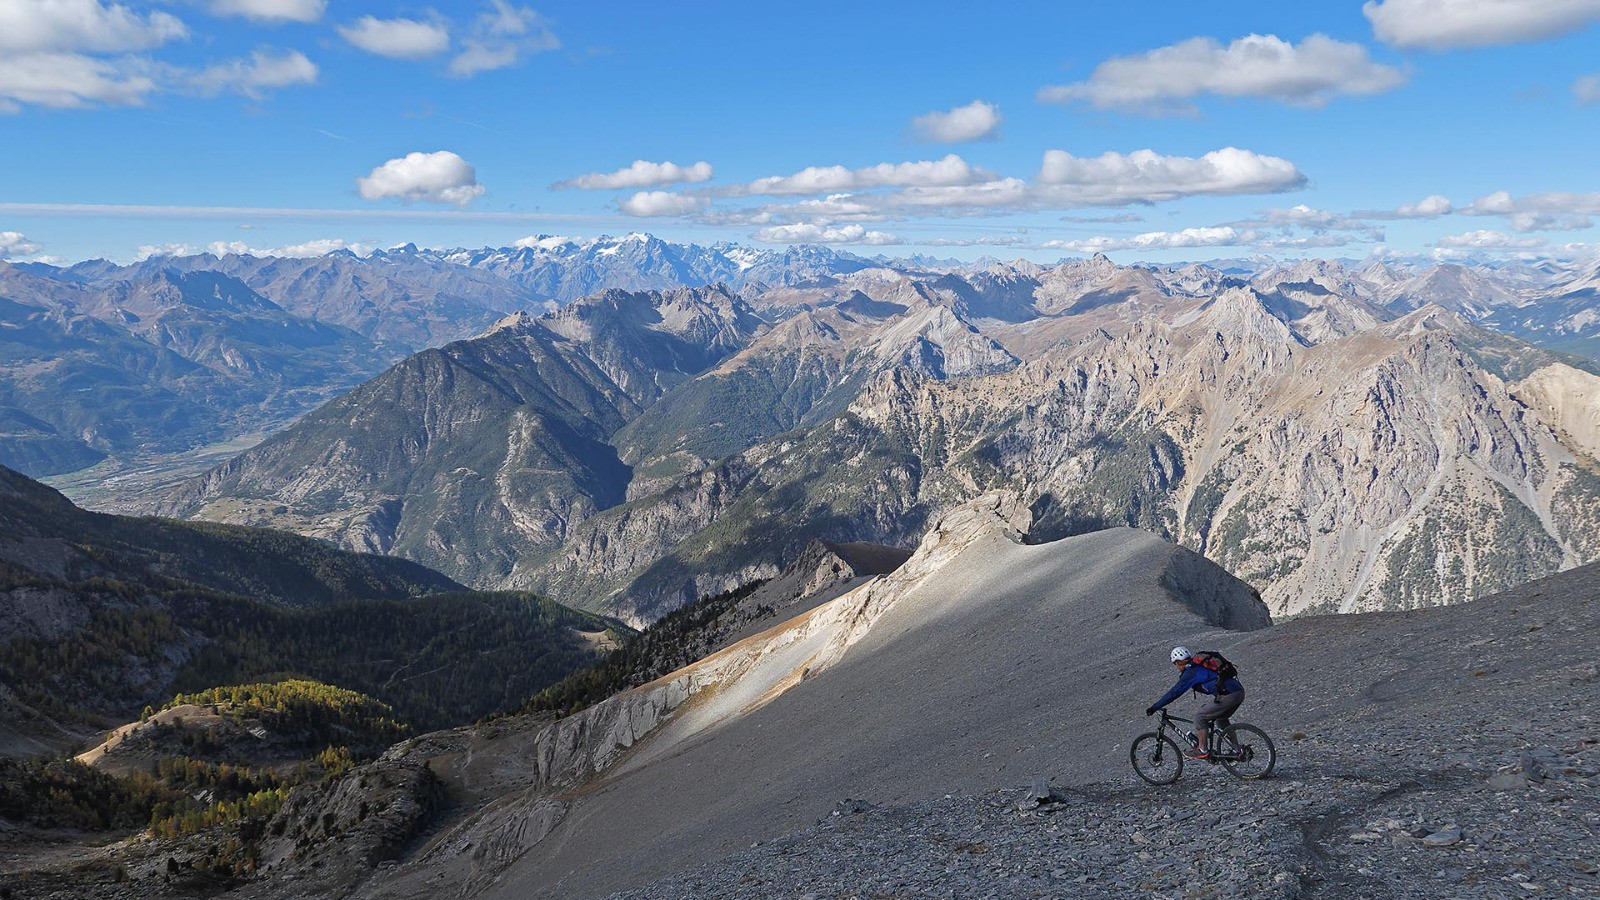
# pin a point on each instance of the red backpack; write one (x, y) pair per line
(1219, 664)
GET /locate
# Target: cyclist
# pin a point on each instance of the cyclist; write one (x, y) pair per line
(1218, 700)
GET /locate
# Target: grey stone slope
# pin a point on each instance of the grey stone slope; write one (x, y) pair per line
(971, 662)
(1437, 753)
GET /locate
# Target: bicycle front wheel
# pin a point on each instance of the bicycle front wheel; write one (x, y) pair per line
(1247, 752)
(1156, 758)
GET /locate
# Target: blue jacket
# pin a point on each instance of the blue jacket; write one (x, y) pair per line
(1196, 677)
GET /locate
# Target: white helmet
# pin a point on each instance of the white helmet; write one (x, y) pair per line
(1179, 654)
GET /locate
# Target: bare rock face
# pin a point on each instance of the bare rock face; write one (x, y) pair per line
(1307, 429)
(337, 832)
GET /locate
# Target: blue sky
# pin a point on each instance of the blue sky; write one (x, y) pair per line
(303, 123)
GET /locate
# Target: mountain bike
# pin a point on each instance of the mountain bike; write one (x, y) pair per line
(1244, 750)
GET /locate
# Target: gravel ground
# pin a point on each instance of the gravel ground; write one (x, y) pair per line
(1415, 813)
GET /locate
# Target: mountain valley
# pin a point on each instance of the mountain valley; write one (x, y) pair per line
(627, 452)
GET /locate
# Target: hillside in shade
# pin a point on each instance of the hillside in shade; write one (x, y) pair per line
(104, 615)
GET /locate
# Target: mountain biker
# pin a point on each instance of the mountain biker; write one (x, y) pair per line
(1218, 701)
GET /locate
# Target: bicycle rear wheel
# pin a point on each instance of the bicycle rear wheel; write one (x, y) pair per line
(1246, 752)
(1156, 758)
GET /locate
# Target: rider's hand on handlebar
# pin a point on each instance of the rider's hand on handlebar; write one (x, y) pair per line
(1149, 710)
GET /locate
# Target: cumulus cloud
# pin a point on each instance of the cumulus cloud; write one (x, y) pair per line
(543, 241)
(397, 38)
(1587, 89)
(45, 48)
(817, 234)
(319, 247)
(641, 174)
(270, 11)
(15, 243)
(952, 187)
(72, 81)
(499, 37)
(1488, 240)
(264, 71)
(438, 177)
(1166, 80)
(1549, 211)
(661, 203)
(974, 122)
(1429, 207)
(1445, 24)
(1145, 176)
(1221, 236)
(32, 26)
(951, 170)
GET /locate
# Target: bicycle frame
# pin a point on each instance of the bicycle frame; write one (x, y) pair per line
(1169, 723)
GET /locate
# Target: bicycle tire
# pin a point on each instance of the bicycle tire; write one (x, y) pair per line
(1153, 756)
(1244, 748)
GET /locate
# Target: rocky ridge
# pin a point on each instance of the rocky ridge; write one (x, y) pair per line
(1302, 427)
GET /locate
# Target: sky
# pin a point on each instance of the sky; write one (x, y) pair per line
(1438, 128)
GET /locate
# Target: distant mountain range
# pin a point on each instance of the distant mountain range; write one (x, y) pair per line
(169, 355)
(1341, 437)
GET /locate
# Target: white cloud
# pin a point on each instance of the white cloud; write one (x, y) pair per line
(661, 203)
(951, 187)
(1166, 79)
(1443, 24)
(15, 243)
(990, 241)
(319, 247)
(641, 174)
(72, 81)
(1587, 89)
(44, 46)
(145, 251)
(1310, 242)
(1223, 236)
(974, 122)
(1303, 216)
(951, 170)
(817, 234)
(438, 177)
(1145, 176)
(33, 26)
(1550, 211)
(270, 11)
(1488, 240)
(1429, 207)
(543, 241)
(499, 37)
(262, 72)
(397, 38)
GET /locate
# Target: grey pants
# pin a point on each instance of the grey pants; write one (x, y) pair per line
(1213, 708)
